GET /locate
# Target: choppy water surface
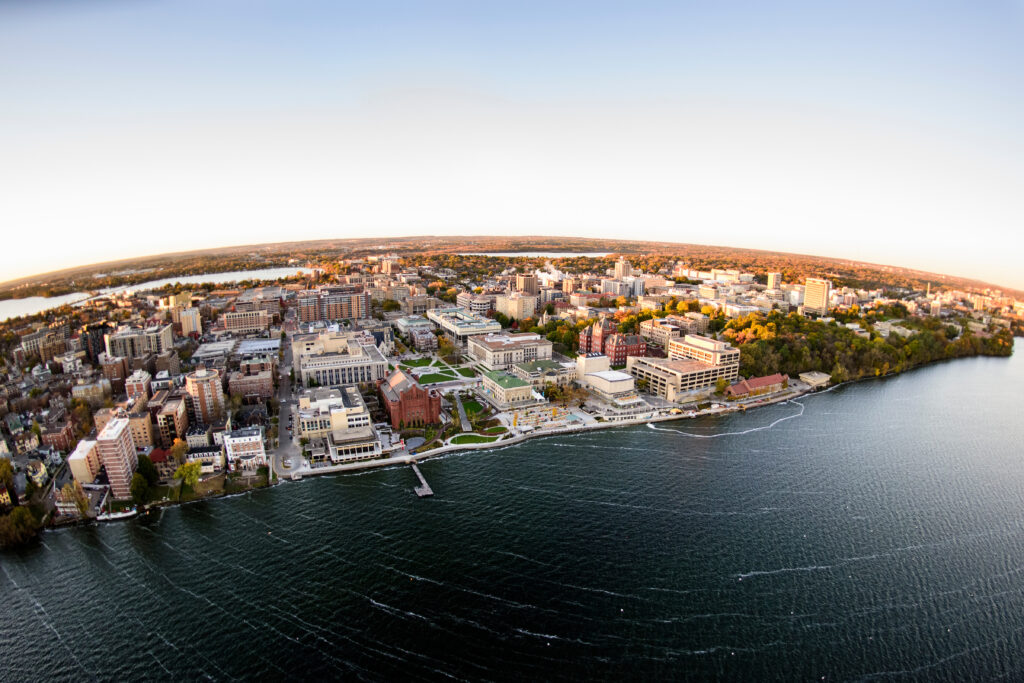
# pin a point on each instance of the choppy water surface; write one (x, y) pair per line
(872, 532)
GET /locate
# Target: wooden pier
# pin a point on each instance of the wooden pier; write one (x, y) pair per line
(423, 490)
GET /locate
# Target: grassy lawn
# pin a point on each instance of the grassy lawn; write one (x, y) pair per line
(244, 483)
(472, 407)
(157, 493)
(419, 362)
(435, 377)
(473, 438)
(495, 430)
(211, 486)
(467, 372)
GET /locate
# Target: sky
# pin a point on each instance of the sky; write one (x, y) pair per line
(887, 131)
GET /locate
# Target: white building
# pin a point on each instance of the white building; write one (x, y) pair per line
(459, 324)
(243, 449)
(816, 295)
(517, 305)
(84, 461)
(502, 351)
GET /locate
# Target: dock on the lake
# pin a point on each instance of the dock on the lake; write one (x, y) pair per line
(423, 490)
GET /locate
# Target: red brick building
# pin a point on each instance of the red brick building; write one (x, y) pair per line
(60, 436)
(407, 403)
(258, 385)
(618, 346)
(757, 385)
(593, 338)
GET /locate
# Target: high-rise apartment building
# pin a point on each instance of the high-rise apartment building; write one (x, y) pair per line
(191, 323)
(816, 295)
(171, 417)
(133, 342)
(333, 303)
(137, 385)
(623, 268)
(774, 280)
(204, 386)
(245, 322)
(527, 284)
(116, 452)
(517, 305)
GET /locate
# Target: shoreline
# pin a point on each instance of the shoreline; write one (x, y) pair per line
(415, 458)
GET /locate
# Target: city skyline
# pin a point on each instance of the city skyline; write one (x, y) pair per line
(872, 133)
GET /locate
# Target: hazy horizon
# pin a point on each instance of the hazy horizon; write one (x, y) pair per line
(862, 131)
(130, 260)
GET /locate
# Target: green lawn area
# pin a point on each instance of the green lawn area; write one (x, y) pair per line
(467, 372)
(472, 407)
(157, 493)
(495, 430)
(435, 377)
(419, 362)
(473, 438)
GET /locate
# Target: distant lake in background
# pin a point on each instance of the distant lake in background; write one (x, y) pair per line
(12, 308)
(539, 254)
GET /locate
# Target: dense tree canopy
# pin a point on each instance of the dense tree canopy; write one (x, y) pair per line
(792, 344)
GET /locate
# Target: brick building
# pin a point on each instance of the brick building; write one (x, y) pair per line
(407, 403)
(593, 338)
(619, 346)
(60, 436)
(254, 385)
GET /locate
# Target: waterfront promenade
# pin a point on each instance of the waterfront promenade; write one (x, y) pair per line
(406, 458)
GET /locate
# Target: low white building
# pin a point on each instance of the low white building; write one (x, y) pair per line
(502, 351)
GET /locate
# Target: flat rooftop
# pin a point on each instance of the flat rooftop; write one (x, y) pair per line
(506, 381)
(680, 366)
(611, 375)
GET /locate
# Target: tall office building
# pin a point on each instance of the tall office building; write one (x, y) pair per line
(816, 294)
(774, 280)
(204, 386)
(190, 322)
(117, 455)
(622, 268)
(527, 284)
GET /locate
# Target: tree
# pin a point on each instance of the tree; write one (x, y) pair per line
(17, 528)
(73, 491)
(148, 470)
(139, 489)
(6, 473)
(178, 450)
(390, 305)
(721, 385)
(189, 473)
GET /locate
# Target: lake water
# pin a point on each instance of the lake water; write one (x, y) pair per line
(872, 532)
(12, 308)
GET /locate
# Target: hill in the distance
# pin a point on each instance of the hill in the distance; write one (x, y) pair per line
(246, 257)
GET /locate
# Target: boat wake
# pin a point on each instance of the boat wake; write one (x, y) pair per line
(716, 436)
